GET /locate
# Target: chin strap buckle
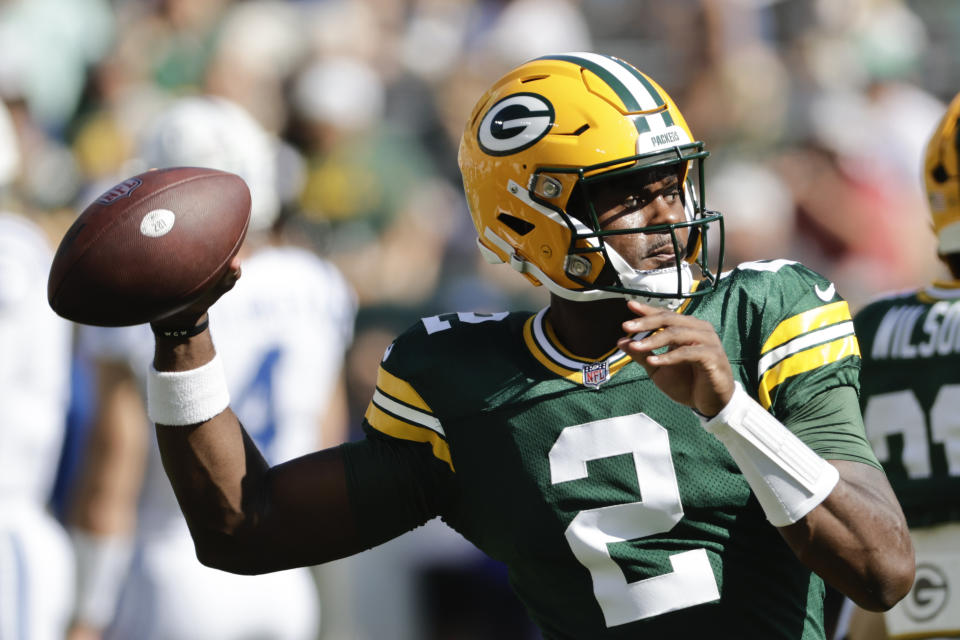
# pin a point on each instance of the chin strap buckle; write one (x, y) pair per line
(517, 263)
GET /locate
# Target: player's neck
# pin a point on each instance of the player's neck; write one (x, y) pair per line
(588, 329)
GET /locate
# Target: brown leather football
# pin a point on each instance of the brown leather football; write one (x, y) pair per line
(149, 247)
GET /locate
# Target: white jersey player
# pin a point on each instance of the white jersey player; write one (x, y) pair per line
(286, 328)
(36, 560)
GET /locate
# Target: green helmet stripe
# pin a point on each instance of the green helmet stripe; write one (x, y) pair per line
(630, 100)
(667, 118)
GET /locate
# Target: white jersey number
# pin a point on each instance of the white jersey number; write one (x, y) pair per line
(692, 581)
(900, 412)
(434, 324)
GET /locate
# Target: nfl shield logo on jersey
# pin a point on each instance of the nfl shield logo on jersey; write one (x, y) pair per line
(595, 373)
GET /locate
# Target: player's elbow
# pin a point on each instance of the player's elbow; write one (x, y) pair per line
(228, 553)
(231, 543)
(893, 578)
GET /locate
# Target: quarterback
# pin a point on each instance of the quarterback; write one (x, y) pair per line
(911, 407)
(664, 451)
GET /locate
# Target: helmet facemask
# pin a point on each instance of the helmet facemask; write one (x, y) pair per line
(666, 287)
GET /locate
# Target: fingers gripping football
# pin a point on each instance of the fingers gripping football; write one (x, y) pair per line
(694, 370)
(196, 312)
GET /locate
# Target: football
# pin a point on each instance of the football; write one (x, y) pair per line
(149, 246)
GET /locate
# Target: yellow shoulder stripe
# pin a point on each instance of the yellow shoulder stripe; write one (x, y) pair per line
(806, 361)
(400, 389)
(807, 321)
(391, 426)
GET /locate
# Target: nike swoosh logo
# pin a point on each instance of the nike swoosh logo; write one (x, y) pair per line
(825, 294)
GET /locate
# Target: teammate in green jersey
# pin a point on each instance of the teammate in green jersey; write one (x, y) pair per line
(648, 455)
(911, 407)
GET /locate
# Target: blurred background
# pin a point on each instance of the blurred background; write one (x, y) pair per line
(815, 113)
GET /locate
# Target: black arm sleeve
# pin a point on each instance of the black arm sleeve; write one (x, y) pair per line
(394, 486)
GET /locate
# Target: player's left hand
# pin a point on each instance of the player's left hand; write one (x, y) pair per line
(694, 370)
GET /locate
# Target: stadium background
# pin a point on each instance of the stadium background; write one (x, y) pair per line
(815, 112)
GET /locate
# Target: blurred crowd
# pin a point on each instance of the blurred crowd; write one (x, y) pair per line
(815, 113)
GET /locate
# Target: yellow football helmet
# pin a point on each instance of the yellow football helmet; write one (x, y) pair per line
(942, 179)
(556, 125)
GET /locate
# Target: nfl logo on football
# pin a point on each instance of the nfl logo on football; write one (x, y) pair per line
(122, 190)
(595, 374)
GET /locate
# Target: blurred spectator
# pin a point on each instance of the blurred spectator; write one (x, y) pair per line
(371, 183)
(758, 213)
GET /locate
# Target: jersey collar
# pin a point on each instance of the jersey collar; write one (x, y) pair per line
(542, 342)
(940, 290)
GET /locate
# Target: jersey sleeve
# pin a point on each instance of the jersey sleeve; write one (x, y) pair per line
(401, 474)
(806, 340)
(398, 411)
(394, 486)
(831, 425)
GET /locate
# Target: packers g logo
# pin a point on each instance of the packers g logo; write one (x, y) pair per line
(515, 123)
(929, 594)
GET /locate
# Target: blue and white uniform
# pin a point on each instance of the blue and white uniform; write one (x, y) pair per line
(36, 558)
(282, 333)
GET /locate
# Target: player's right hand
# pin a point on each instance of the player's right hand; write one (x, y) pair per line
(195, 313)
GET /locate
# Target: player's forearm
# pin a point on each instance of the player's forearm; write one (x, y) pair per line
(857, 539)
(215, 470)
(217, 475)
(840, 518)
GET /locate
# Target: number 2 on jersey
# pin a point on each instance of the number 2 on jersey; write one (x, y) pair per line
(691, 582)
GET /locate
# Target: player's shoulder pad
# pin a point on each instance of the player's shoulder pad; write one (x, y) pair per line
(791, 283)
(452, 337)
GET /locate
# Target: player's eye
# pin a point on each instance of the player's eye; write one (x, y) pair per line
(672, 195)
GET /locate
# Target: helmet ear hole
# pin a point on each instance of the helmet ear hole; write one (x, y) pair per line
(518, 225)
(939, 173)
(577, 206)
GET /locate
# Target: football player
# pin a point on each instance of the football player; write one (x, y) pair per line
(36, 560)
(286, 330)
(910, 396)
(661, 452)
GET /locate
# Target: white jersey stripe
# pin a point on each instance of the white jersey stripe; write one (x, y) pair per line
(796, 345)
(409, 414)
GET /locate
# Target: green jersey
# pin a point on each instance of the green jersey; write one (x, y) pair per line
(911, 397)
(616, 513)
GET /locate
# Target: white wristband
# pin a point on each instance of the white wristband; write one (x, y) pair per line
(102, 566)
(187, 397)
(788, 477)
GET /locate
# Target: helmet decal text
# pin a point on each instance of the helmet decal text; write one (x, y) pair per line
(515, 123)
